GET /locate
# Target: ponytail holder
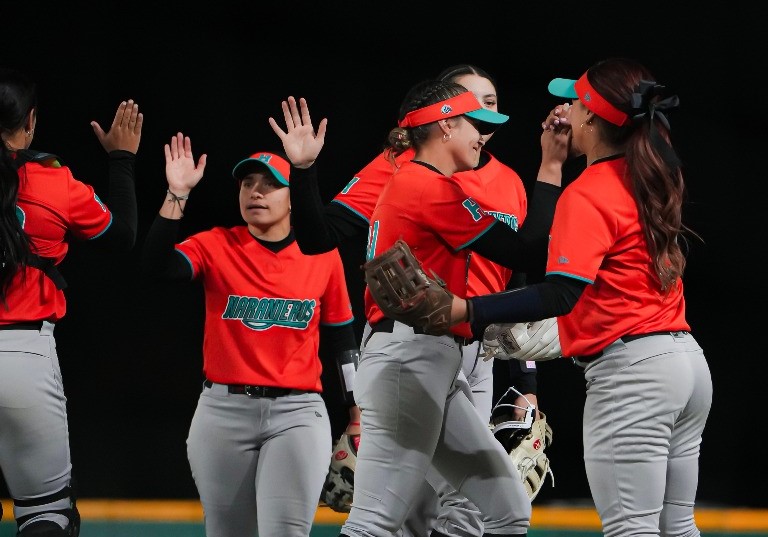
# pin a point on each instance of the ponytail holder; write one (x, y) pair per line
(643, 104)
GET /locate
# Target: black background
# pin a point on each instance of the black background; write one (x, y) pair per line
(130, 349)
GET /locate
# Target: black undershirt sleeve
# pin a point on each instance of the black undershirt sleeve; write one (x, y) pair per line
(334, 340)
(555, 296)
(539, 220)
(541, 210)
(159, 258)
(319, 228)
(524, 250)
(121, 234)
(522, 377)
(337, 339)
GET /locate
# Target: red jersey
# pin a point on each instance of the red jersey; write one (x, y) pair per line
(361, 193)
(501, 193)
(596, 237)
(496, 187)
(436, 218)
(51, 205)
(263, 309)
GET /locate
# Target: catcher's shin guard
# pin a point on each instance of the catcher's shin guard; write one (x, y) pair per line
(61, 505)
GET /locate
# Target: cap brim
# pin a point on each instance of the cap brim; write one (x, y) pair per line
(487, 121)
(563, 87)
(487, 116)
(237, 171)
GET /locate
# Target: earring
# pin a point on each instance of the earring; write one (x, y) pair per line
(446, 136)
(30, 132)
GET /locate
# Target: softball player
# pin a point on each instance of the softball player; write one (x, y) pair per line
(260, 438)
(499, 190)
(404, 381)
(614, 275)
(43, 206)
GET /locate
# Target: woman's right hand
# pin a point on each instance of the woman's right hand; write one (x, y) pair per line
(555, 145)
(180, 168)
(558, 118)
(301, 143)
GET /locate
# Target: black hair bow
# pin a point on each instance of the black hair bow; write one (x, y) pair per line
(642, 103)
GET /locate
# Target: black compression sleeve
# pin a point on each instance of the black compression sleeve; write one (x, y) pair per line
(541, 210)
(121, 234)
(522, 377)
(334, 341)
(346, 224)
(551, 298)
(502, 245)
(318, 228)
(524, 250)
(159, 258)
(313, 233)
(337, 339)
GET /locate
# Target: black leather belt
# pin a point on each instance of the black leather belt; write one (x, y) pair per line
(627, 339)
(35, 325)
(388, 325)
(254, 391)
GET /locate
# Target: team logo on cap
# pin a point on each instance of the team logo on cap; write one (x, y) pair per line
(264, 158)
(446, 109)
(587, 97)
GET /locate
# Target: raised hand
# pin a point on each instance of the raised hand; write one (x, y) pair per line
(300, 141)
(180, 168)
(558, 119)
(125, 132)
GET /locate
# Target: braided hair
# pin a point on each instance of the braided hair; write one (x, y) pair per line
(422, 94)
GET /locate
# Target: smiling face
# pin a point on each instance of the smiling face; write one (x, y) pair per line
(483, 89)
(467, 143)
(265, 205)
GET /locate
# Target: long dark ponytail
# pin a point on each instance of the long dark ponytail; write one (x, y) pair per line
(654, 168)
(18, 96)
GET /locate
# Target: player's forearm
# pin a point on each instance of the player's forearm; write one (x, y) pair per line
(158, 257)
(522, 375)
(308, 214)
(121, 199)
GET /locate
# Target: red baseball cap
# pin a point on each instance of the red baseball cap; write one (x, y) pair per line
(277, 165)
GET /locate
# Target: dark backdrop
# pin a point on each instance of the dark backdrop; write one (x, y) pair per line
(130, 349)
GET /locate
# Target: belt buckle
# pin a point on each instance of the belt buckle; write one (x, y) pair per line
(254, 391)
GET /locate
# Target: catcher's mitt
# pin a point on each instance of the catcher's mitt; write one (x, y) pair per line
(536, 341)
(405, 293)
(340, 481)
